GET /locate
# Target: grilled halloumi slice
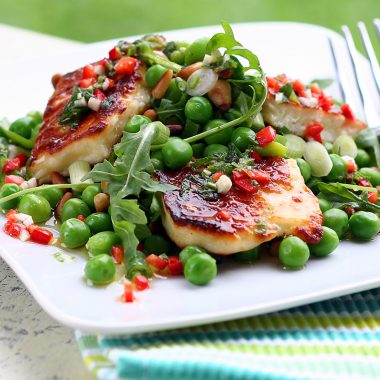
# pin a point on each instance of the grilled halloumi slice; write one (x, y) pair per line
(296, 117)
(58, 146)
(283, 207)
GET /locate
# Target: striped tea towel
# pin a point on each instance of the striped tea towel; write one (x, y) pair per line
(334, 339)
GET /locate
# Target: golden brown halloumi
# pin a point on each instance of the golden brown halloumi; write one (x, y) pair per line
(296, 117)
(58, 146)
(283, 207)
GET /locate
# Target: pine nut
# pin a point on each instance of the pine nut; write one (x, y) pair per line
(185, 72)
(65, 198)
(151, 113)
(101, 202)
(162, 85)
(220, 95)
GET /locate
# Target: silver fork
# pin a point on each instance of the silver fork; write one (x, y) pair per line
(370, 111)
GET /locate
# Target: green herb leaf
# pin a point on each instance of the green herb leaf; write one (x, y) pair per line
(341, 196)
(131, 172)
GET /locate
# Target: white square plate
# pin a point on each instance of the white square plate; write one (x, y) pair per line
(300, 50)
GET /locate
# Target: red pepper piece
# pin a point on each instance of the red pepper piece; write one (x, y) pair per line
(117, 252)
(125, 66)
(85, 83)
(259, 176)
(256, 157)
(81, 218)
(40, 235)
(266, 135)
(243, 182)
(372, 197)
(114, 54)
(15, 163)
(128, 292)
(12, 229)
(325, 102)
(175, 266)
(363, 182)
(156, 261)
(99, 94)
(299, 88)
(314, 131)
(217, 175)
(347, 111)
(350, 166)
(16, 179)
(225, 74)
(141, 282)
(273, 84)
(89, 72)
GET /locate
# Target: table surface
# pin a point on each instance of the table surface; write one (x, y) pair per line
(32, 345)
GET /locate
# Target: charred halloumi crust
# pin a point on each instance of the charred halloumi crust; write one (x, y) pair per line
(283, 207)
(58, 145)
(296, 117)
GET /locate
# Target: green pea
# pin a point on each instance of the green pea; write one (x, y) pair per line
(215, 149)
(175, 90)
(177, 153)
(371, 174)
(243, 137)
(157, 164)
(222, 137)
(190, 251)
(247, 256)
(324, 204)
(35, 206)
(53, 196)
(73, 208)
(305, 168)
(338, 170)
(89, 194)
(178, 56)
(100, 270)
(23, 127)
(293, 252)
(36, 116)
(337, 220)
(99, 222)
(200, 269)
(196, 51)
(154, 74)
(156, 244)
(135, 123)
(364, 225)
(74, 233)
(362, 158)
(198, 109)
(102, 242)
(9, 189)
(327, 244)
(198, 149)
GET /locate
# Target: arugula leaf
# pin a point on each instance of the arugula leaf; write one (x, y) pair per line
(71, 113)
(169, 112)
(341, 196)
(368, 139)
(323, 83)
(131, 171)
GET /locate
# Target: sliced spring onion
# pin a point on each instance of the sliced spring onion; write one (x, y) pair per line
(258, 122)
(345, 146)
(201, 81)
(318, 158)
(296, 146)
(78, 170)
(161, 133)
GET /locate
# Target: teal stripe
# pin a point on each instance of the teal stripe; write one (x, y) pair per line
(189, 337)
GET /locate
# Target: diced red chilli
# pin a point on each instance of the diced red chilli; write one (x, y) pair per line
(15, 163)
(84, 83)
(81, 218)
(141, 282)
(117, 252)
(156, 261)
(11, 215)
(99, 94)
(299, 88)
(114, 54)
(325, 102)
(373, 197)
(350, 166)
(363, 182)
(256, 157)
(89, 72)
(126, 65)
(41, 235)
(259, 176)
(217, 175)
(347, 111)
(266, 135)
(243, 182)
(16, 179)
(273, 84)
(175, 266)
(314, 131)
(128, 292)
(13, 229)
